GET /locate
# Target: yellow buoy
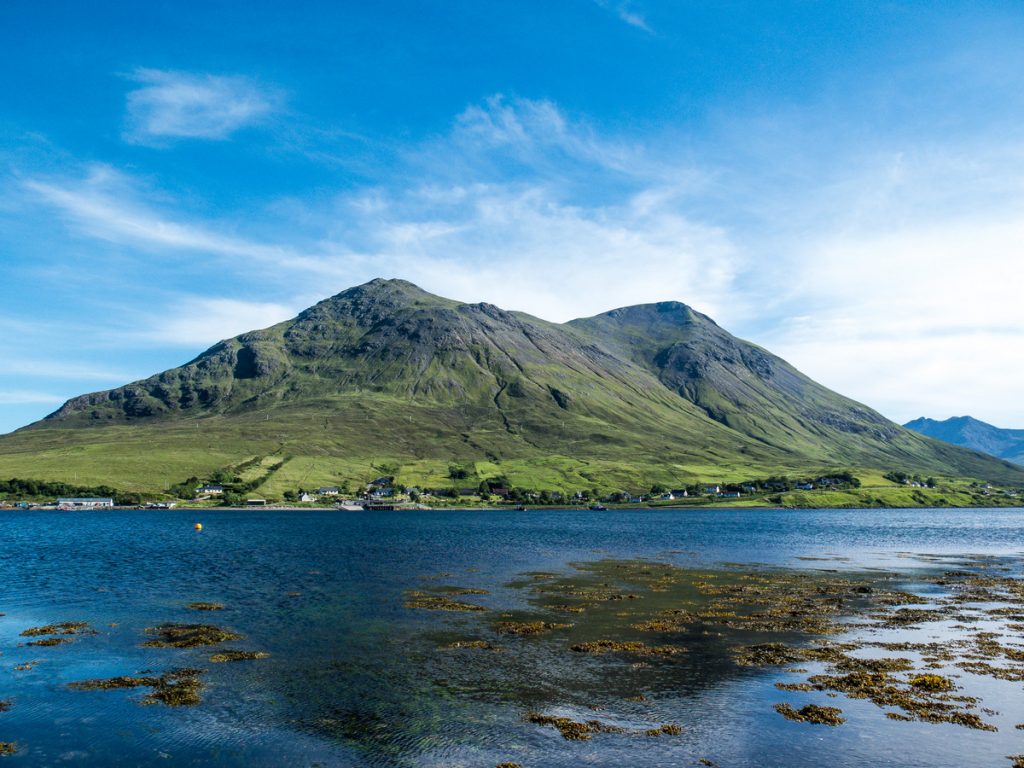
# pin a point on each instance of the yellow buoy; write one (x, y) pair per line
(199, 526)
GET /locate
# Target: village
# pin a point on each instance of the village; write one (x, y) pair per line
(385, 494)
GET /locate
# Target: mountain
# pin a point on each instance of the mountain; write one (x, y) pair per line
(385, 378)
(974, 434)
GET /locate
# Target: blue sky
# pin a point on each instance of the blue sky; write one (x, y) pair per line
(842, 183)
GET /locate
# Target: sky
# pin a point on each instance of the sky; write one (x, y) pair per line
(841, 183)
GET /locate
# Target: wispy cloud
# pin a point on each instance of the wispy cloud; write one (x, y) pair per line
(180, 105)
(64, 369)
(522, 247)
(201, 321)
(29, 397)
(504, 134)
(626, 12)
(905, 293)
(892, 279)
(111, 206)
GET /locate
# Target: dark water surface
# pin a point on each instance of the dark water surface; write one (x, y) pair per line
(355, 678)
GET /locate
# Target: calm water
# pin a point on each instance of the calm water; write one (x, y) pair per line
(354, 678)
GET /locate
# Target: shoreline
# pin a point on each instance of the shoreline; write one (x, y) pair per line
(506, 508)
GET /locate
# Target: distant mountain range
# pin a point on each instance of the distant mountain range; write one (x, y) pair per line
(971, 433)
(385, 378)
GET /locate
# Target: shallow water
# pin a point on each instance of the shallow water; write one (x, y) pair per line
(356, 679)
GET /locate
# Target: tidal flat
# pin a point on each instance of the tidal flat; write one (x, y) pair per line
(483, 639)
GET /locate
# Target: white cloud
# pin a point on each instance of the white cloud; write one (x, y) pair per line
(110, 206)
(538, 135)
(29, 397)
(62, 369)
(522, 248)
(907, 297)
(894, 280)
(180, 105)
(625, 11)
(202, 321)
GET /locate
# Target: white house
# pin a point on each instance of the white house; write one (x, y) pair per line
(84, 503)
(713, 489)
(210, 489)
(307, 497)
(328, 491)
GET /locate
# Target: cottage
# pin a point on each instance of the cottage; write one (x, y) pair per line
(713, 489)
(729, 495)
(667, 497)
(84, 503)
(307, 497)
(680, 493)
(329, 490)
(161, 505)
(805, 486)
(210, 489)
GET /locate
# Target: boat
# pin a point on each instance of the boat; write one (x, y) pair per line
(598, 508)
(520, 508)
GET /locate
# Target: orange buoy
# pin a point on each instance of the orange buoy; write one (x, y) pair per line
(199, 526)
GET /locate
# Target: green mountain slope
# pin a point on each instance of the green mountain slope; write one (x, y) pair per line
(387, 376)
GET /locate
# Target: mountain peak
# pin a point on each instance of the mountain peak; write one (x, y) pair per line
(969, 432)
(386, 369)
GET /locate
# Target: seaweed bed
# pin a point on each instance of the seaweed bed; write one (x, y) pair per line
(573, 730)
(177, 688)
(646, 616)
(62, 628)
(187, 635)
(205, 606)
(232, 654)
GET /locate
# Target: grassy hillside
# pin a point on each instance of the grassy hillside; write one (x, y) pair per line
(387, 379)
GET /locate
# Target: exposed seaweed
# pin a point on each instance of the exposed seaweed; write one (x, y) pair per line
(50, 641)
(232, 654)
(62, 628)
(574, 730)
(484, 645)
(426, 601)
(812, 713)
(177, 688)
(528, 628)
(187, 635)
(629, 646)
